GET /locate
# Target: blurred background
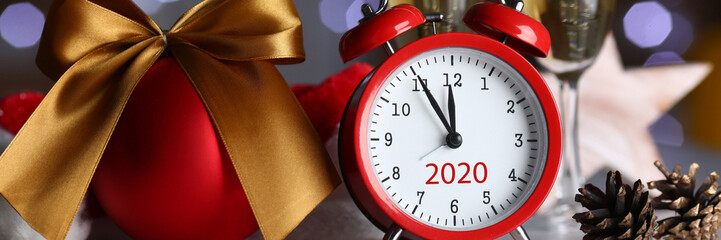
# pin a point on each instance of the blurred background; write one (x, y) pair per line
(648, 33)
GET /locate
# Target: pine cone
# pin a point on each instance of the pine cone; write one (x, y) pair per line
(699, 213)
(622, 212)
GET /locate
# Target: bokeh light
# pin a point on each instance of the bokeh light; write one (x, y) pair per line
(661, 58)
(342, 15)
(332, 14)
(681, 36)
(21, 24)
(667, 131)
(647, 24)
(354, 14)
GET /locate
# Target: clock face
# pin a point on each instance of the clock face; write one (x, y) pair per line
(504, 139)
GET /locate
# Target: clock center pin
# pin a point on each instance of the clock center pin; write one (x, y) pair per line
(454, 140)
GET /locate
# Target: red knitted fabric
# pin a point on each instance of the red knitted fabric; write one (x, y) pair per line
(17, 108)
(324, 104)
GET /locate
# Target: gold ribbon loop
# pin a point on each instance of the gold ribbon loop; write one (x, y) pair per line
(75, 28)
(255, 24)
(100, 49)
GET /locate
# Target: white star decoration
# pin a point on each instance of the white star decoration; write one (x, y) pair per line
(617, 106)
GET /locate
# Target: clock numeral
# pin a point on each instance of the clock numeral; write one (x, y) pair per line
(396, 173)
(454, 205)
(420, 196)
(475, 172)
(389, 139)
(446, 166)
(435, 171)
(468, 170)
(405, 109)
(443, 173)
(457, 77)
(511, 104)
(519, 142)
(512, 175)
(486, 197)
(484, 84)
(416, 85)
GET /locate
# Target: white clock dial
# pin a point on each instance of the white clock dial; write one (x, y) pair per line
(504, 139)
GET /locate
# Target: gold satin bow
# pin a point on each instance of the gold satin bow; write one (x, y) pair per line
(100, 49)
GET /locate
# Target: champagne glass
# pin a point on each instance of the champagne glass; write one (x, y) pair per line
(577, 29)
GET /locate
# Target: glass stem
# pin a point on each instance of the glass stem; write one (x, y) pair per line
(570, 178)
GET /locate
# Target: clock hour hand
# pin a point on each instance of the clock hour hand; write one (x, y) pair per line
(434, 104)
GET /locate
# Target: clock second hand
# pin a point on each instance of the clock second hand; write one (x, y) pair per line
(432, 152)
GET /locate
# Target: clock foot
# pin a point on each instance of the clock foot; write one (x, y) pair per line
(519, 234)
(394, 233)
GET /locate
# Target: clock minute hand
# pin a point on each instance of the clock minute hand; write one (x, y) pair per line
(434, 104)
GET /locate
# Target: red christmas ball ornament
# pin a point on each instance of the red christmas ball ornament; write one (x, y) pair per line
(15, 109)
(165, 174)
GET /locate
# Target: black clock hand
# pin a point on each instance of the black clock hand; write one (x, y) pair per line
(453, 139)
(451, 108)
(434, 104)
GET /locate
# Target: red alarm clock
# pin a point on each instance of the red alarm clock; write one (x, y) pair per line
(455, 135)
